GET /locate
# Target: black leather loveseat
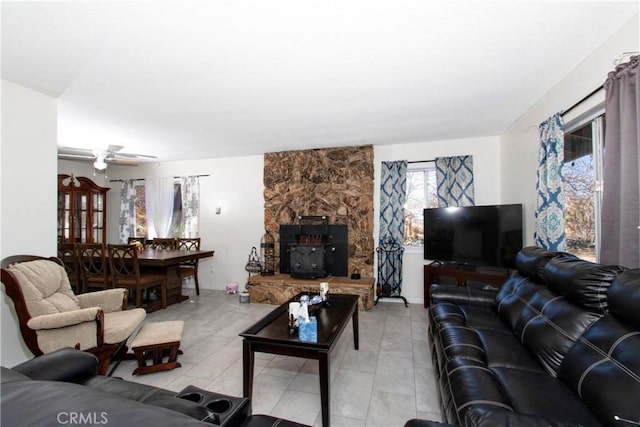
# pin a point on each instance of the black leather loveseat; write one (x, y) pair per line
(63, 388)
(557, 345)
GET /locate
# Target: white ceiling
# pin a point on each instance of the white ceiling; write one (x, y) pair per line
(202, 79)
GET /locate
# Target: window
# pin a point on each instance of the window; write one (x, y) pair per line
(421, 194)
(141, 212)
(582, 174)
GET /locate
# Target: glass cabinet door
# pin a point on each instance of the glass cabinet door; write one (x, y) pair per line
(98, 214)
(64, 216)
(81, 210)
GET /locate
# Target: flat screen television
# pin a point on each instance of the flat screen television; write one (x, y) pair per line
(474, 235)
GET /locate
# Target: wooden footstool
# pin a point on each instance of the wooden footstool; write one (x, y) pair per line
(154, 343)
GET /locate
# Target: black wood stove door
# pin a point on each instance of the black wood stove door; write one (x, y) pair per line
(309, 261)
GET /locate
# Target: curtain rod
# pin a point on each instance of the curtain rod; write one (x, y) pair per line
(617, 61)
(421, 161)
(596, 90)
(142, 179)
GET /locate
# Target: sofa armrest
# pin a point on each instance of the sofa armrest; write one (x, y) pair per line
(67, 318)
(65, 364)
(425, 423)
(108, 300)
(463, 295)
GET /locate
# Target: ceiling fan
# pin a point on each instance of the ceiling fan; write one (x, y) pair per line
(101, 156)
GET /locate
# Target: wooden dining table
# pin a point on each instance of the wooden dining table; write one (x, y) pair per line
(166, 262)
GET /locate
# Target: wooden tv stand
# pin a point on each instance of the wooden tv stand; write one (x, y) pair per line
(461, 275)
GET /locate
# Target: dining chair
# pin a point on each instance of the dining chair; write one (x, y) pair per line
(125, 273)
(93, 266)
(163, 243)
(189, 268)
(69, 256)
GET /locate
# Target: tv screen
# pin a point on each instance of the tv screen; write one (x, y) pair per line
(474, 235)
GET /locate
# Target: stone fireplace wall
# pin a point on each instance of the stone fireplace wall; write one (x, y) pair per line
(336, 182)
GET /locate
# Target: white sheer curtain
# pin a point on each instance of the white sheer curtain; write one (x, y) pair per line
(159, 202)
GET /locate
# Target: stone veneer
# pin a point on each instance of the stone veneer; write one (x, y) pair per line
(336, 182)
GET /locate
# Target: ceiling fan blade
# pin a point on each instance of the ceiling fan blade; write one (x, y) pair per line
(133, 156)
(75, 151)
(114, 148)
(122, 162)
(75, 156)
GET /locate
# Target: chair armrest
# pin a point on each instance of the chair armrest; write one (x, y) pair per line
(108, 300)
(67, 318)
(462, 295)
(66, 364)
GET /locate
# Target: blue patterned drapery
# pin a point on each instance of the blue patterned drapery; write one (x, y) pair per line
(549, 215)
(454, 176)
(393, 193)
(127, 222)
(190, 189)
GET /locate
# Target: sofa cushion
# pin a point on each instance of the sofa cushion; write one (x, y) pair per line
(538, 393)
(45, 286)
(473, 385)
(531, 260)
(582, 282)
(461, 341)
(549, 325)
(624, 296)
(603, 368)
(514, 296)
(502, 349)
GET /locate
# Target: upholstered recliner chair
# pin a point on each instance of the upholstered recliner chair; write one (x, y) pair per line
(51, 316)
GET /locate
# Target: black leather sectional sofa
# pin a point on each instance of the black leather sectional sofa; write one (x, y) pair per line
(63, 388)
(557, 345)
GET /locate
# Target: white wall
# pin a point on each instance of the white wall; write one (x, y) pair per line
(29, 188)
(235, 184)
(519, 145)
(486, 171)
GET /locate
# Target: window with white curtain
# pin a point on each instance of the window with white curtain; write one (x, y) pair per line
(141, 211)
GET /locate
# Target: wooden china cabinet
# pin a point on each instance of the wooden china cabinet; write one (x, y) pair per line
(82, 210)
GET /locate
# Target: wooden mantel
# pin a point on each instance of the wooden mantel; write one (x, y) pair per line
(279, 288)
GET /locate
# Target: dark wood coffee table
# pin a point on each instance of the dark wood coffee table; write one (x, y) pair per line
(271, 335)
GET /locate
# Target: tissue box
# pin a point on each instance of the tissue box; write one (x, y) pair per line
(232, 288)
(308, 331)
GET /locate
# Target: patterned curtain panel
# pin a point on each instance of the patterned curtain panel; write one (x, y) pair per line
(454, 176)
(127, 222)
(393, 193)
(549, 215)
(620, 242)
(190, 188)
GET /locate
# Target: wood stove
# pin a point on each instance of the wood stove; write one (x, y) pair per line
(313, 249)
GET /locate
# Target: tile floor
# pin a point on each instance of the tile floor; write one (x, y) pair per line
(388, 381)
